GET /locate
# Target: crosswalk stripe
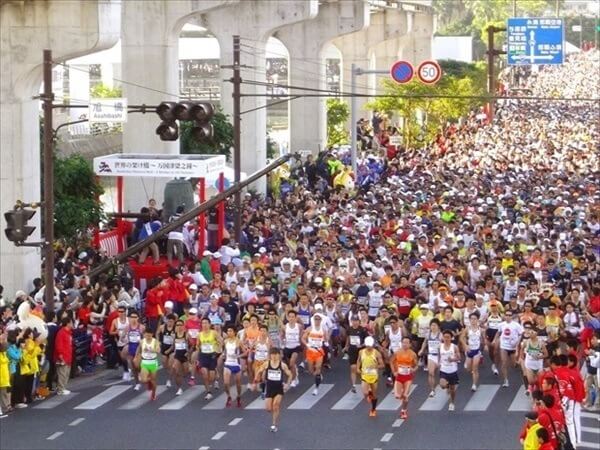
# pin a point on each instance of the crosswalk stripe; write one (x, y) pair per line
(349, 401)
(103, 397)
(257, 403)
(180, 401)
(589, 415)
(481, 399)
(219, 401)
(591, 430)
(521, 402)
(391, 403)
(588, 445)
(54, 401)
(307, 400)
(437, 402)
(142, 399)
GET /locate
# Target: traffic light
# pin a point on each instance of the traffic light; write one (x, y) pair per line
(199, 113)
(16, 224)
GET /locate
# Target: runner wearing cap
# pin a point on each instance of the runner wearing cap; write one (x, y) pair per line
(493, 322)
(404, 364)
(314, 339)
(368, 364)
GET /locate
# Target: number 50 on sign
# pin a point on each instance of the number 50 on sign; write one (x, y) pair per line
(429, 72)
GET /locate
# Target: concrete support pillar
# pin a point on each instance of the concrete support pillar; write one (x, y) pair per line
(26, 29)
(305, 41)
(254, 22)
(415, 45)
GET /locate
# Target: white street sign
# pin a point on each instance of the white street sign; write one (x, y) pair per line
(429, 72)
(107, 110)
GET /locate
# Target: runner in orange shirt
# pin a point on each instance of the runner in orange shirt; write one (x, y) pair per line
(314, 338)
(404, 364)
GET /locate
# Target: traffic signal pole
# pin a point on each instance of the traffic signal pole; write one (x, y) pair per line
(492, 53)
(48, 199)
(237, 134)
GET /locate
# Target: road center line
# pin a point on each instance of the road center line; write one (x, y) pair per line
(54, 436)
(397, 423)
(204, 447)
(387, 437)
(219, 435)
(235, 421)
(77, 422)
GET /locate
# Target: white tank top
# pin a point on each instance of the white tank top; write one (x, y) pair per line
(121, 332)
(433, 344)
(149, 351)
(231, 354)
(261, 351)
(474, 338)
(292, 336)
(445, 355)
(395, 339)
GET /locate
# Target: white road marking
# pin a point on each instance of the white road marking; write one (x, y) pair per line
(103, 397)
(391, 403)
(588, 445)
(257, 403)
(387, 437)
(180, 401)
(54, 435)
(349, 401)
(235, 421)
(397, 423)
(142, 399)
(54, 401)
(113, 383)
(521, 402)
(436, 403)
(220, 400)
(219, 435)
(307, 400)
(482, 398)
(77, 422)
(589, 415)
(204, 447)
(591, 430)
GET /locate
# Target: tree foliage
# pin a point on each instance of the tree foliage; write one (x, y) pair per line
(76, 197)
(458, 79)
(220, 144)
(101, 90)
(337, 116)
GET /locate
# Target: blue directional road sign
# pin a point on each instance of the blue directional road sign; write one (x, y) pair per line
(402, 72)
(535, 41)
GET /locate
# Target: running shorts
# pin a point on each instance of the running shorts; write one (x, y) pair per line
(288, 352)
(272, 392)
(352, 356)
(370, 379)
(150, 365)
(314, 355)
(490, 334)
(208, 361)
(404, 378)
(451, 378)
(473, 353)
(233, 369)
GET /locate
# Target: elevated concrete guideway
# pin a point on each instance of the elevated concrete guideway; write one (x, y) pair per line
(70, 29)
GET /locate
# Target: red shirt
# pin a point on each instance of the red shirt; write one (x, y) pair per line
(545, 418)
(84, 315)
(155, 302)
(565, 382)
(594, 305)
(404, 305)
(63, 346)
(109, 320)
(176, 291)
(578, 384)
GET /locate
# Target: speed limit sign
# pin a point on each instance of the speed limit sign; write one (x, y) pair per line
(429, 72)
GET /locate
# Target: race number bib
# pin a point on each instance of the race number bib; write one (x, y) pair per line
(355, 340)
(206, 348)
(274, 375)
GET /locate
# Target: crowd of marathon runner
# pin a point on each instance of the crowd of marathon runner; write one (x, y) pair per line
(483, 245)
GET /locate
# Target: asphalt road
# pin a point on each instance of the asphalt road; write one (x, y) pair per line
(104, 413)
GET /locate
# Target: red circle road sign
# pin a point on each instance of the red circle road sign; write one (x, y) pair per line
(429, 72)
(402, 72)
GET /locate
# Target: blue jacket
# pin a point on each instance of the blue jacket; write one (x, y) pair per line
(14, 355)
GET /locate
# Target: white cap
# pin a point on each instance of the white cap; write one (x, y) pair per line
(193, 286)
(318, 280)
(169, 304)
(537, 264)
(262, 250)
(369, 341)
(193, 311)
(318, 307)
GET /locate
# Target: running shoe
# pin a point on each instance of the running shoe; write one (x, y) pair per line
(21, 405)
(345, 356)
(216, 384)
(451, 407)
(425, 369)
(294, 382)
(505, 384)
(262, 395)
(64, 392)
(239, 402)
(353, 389)
(192, 381)
(228, 403)
(315, 391)
(273, 429)
(373, 413)
(494, 369)
(168, 383)
(126, 376)
(179, 391)
(473, 388)
(137, 387)
(208, 396)
(432, 394)
(404, 414)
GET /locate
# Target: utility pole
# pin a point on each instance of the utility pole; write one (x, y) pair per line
(492, 53)
(514, 8)
(48, 200)
(237, 133)
(557, 8)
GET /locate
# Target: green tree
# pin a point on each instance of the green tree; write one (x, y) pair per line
(220, 144)
(272, 150)
(101, 90)
(337, 116)
(460, 79)
(76, 197)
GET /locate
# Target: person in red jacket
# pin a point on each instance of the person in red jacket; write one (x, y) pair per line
(544, 439)
(155, 304)
(566, 387)
(63, 355)
(579, 388)
(175, 290)
(551, 418)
